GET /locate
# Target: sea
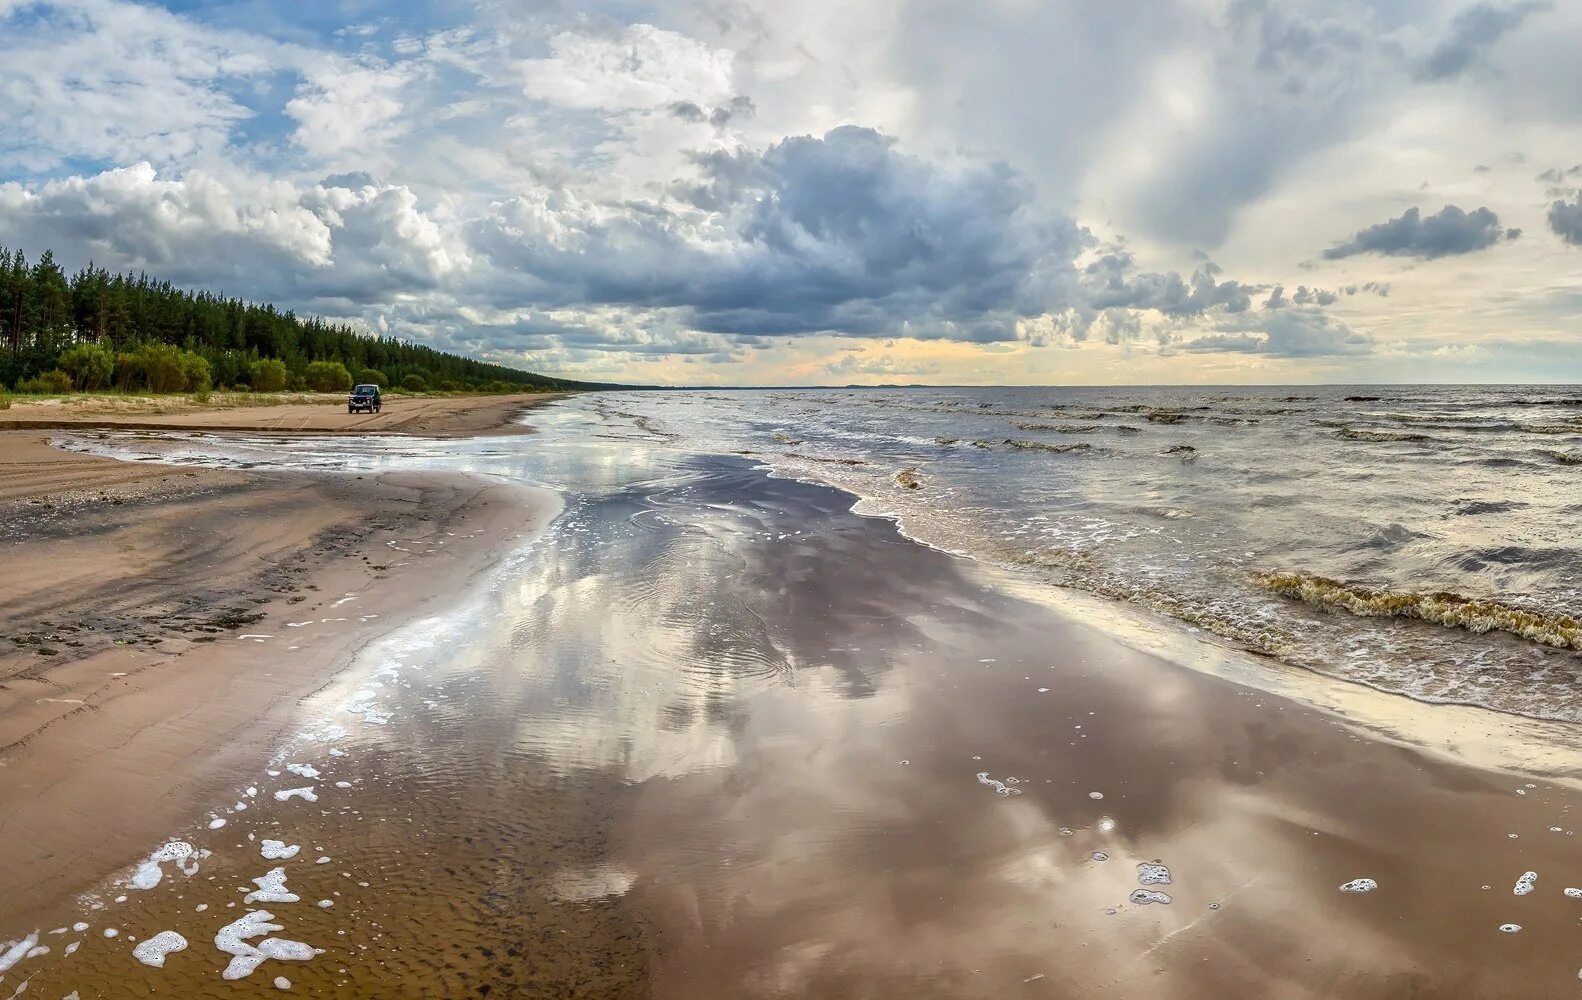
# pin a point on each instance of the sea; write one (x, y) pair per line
(1421, 540)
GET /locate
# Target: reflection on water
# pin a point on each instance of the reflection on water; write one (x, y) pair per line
(715, 735)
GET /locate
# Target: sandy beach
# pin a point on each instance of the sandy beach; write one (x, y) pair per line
(703, 732)
(429, 416)
(145, 610)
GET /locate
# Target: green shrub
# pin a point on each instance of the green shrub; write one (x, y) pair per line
(89, 365)
(5, 400)
(194, 372)
(327, 376)
(451, 385)
(47, 384)
(202, 396)
(164, 367)
(241, 387)
(128, 372)
(414, 383)
(269, 375)
(374, 376)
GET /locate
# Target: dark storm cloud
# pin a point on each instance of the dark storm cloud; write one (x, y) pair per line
(1565, 218)
(842, 233)
(1448, 232)
(1473, 32)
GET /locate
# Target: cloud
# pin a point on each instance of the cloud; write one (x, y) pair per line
(640, 67)
(884, 364)
(1448, 232)
(843, 233)
(122, 82)
(1565, 218)
(1299, 332)
(739, 107)
(1112, 282)
(1473, 32)
(340, 109)
(330, 245)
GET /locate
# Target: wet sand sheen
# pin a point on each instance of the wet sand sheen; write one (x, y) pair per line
(714, 735)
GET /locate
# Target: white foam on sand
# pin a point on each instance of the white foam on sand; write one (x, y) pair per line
(1142, 897)
(149, 873)
(216, 823)
(152, 951)
(271, 889)
(1359, 885)
(233, 940)
(299, 793)
(1000, 787)
(278, 850)
(1525, 884)
(1152, 874)
(17, 951)
(303, 770)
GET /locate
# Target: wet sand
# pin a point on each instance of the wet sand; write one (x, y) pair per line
(437, 416)
(714, 735)
(158, 628)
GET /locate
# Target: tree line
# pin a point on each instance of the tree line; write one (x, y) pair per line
(98, 330)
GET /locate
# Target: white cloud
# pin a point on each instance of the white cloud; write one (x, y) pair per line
(641, 67)
(341, 110)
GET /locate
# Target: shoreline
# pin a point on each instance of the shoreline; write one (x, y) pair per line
(183, 617)
(925, 779)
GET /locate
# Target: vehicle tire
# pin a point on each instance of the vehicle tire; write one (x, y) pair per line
(351, 409)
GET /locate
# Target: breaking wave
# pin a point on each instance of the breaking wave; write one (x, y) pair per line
(1451, 610)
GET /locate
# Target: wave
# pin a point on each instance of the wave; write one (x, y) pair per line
(1062, 428)
(1022, 445)
(1563, 457)
(1358, 434)
(1451, 610)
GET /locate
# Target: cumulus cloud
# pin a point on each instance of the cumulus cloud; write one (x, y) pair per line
(1113, 282)
(260, 238)
(1473, 32)
(1301, 332)
(843, 233)
(1447, 232)
(1565, 218)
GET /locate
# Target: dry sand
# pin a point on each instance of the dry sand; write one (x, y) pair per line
(437, 416)
(129, 692)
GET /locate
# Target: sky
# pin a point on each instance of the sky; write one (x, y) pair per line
(770, 192)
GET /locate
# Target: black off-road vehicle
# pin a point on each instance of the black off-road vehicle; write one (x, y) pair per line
(363, 397)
